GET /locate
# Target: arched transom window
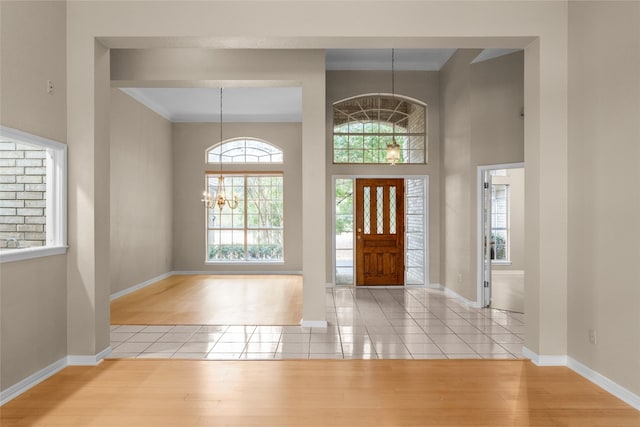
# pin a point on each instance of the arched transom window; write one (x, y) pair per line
(363, 126)
(244, 150)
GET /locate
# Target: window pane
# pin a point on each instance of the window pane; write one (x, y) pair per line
(380, 209)
(392, 210)
(23, 195)
(244, 150)
(367, 210)
(361, 122)
(262, 201)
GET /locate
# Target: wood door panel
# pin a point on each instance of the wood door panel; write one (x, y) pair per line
(379, 232)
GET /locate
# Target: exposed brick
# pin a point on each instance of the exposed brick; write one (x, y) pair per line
(11, 187)
(32, 195)
(35, 187)
(35, 155)
(28, 162)
(12, 219)
(10, 235)
(31, 243)
(33, 203)
(7, 211)
(12, 171)
(30, 227)
(27, 147)
(29, 212)
(4, 145)
(8, 227)
(11, 154)
(34, 236)
(7, 195)
(8, 179)
(35, 220)
(30, 179)
(8, 162)
(34, 171)
(13, 204)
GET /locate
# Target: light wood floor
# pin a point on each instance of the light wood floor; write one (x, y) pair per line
(213, 300)
(317, 393)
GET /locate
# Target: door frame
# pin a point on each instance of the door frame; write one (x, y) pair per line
(480, 226)
(425, 178)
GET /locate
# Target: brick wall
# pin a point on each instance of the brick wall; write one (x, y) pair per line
(22, 195)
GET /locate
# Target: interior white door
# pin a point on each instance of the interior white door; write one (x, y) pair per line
(486, 224)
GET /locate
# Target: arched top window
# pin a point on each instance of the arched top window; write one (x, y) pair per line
(244, 150)
(363, 126)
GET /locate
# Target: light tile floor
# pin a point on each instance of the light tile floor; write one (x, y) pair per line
(408, 323)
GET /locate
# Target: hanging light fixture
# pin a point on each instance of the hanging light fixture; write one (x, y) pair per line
(220, 199)
(393, 149)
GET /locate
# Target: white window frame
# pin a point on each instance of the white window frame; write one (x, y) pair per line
(245, 261)
(56, 200)
(507, 229)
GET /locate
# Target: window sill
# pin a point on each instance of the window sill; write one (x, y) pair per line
(12, 255)
(498, 263)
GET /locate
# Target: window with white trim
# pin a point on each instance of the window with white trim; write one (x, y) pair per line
(244, 150)
(32, 196)
(363, 126)
(254, 230)
(500, 222)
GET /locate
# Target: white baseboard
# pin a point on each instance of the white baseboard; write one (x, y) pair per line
(605, 383)
(542, 360)
(140, 286)
(454, 294)
(435, 286)
(314, 323)
(88, 360)
(244, 273)
(595, 377)
(32, 380)
(329, 285)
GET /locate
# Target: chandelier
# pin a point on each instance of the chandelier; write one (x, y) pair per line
(393, 149)
(220, 198)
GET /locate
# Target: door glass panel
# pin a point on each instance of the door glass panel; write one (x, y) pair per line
(392, 210)
(367, 210)
(380, 209)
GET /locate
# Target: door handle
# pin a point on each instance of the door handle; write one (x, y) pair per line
(359, 230)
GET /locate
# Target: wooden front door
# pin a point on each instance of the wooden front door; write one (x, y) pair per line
(379, 232)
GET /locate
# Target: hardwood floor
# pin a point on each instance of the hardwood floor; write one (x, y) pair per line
(317, 393)
(213, 300)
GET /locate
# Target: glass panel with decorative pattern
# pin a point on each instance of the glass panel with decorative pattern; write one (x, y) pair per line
(367, 210)
(380, 209)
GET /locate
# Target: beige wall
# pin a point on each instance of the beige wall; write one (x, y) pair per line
(481, 125)
(190, 140)
(457, 174)
(33, 306)
(538, 26)
(604, 201)
(420, 85)
(141, 193)
(515, 180)
(497, 130)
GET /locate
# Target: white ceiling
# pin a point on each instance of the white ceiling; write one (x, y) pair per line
(380, 59)
(240, 104)
(283, 104)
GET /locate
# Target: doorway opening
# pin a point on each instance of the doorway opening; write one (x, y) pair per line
(501, 237)
(407, 197)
